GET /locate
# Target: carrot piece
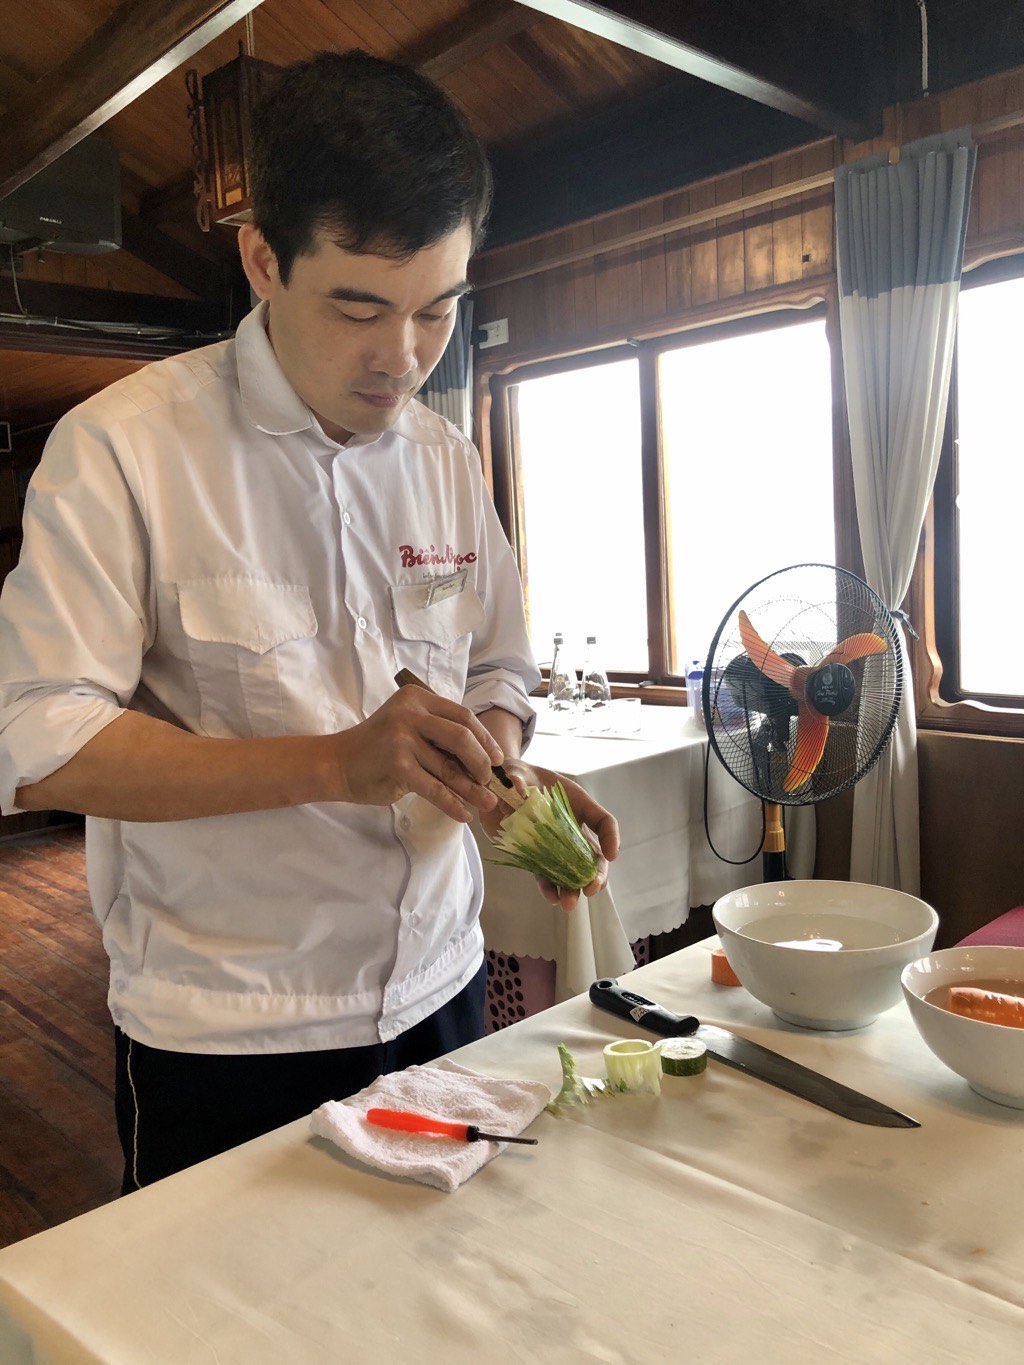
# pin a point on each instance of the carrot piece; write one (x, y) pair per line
(721, 973)
(992, 1007)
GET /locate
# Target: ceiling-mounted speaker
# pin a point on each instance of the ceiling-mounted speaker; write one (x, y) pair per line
(73, 205)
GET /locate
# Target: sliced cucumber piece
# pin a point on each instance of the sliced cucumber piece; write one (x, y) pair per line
(683, 1057)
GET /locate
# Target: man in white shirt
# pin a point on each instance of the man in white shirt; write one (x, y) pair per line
(228, 556)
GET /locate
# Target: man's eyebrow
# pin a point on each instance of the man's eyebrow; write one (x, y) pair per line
(343, 294)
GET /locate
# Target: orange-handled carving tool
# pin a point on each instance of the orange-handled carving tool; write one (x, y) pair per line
(419, 1123)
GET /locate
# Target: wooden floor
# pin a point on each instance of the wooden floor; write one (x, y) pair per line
(59, 1154)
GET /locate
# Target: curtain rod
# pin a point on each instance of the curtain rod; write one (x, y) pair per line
(708, 215)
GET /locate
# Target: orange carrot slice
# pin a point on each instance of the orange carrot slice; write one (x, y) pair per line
(992, 1007)
(722, 973)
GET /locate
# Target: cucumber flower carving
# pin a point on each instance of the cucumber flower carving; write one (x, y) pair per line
(544, 837)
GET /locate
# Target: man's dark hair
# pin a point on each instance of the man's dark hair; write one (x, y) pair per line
(370, 152)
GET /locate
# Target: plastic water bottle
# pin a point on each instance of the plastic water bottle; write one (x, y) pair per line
(562, 678)
(694, 690)
(595, 689)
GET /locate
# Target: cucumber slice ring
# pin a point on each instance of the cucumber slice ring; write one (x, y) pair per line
(683, 1057)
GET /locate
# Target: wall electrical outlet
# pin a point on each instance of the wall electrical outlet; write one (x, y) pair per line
(493, 334)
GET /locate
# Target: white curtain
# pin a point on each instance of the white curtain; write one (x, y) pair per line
(900, 234)
(449, 389)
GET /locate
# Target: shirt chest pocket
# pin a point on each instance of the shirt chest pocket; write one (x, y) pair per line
(433, 641)
(252, 647)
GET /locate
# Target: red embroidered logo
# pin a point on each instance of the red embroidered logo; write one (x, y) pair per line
(430, 554)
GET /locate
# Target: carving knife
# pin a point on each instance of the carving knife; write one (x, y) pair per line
(751, 1058)
(500, 784)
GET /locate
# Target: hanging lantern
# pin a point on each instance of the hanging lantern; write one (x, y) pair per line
(220, 113)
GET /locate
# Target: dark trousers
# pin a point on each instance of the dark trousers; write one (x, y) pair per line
(177, 1108)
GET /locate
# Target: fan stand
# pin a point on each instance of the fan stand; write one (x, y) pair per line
(773, 858)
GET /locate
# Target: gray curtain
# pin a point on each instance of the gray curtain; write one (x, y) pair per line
(449, 390)
(900, 236)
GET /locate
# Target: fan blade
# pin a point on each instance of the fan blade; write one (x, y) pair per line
(811, 734)
(855, 647)
(772, 665)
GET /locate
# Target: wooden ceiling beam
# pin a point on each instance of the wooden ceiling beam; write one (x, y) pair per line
(802, 62)
(484, 25)
(174, 261)
(43, 300)
(139, 44)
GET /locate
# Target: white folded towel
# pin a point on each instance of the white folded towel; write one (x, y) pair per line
(445, 1091)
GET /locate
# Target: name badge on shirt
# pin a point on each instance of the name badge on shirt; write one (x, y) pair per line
(440, 589)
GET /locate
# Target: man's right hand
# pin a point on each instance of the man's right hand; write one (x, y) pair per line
(423, 743)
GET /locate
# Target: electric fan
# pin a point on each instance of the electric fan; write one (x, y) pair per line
(801, 690)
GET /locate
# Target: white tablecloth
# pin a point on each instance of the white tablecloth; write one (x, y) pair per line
(723, 1222)
(654, 785)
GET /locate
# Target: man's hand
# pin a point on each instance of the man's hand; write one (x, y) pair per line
(419, 742)
(599, 826)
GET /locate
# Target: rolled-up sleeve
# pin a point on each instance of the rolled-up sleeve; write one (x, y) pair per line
(73, 611)
(502, 670)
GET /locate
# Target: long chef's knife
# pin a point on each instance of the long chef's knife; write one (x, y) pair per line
(748, 1057)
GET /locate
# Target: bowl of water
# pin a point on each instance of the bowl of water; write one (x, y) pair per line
(822, 954)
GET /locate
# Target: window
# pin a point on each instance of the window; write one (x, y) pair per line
(979, 491)
(648, 486)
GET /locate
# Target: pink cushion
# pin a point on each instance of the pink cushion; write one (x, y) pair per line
(1006, 931)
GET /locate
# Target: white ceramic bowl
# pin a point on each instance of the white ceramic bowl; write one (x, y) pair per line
(990, 1057)
(816, 988)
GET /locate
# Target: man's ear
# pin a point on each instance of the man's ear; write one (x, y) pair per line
(258, 261)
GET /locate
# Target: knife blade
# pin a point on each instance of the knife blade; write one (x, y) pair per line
(751, 1058)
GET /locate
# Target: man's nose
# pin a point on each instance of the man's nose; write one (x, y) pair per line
(394, 351)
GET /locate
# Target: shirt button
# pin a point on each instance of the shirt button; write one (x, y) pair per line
(361, 622)
(346, 519)
(406, 823)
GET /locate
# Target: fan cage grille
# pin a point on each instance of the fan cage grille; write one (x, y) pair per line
(803, 611)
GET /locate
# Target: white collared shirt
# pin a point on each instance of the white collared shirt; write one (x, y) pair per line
(196, 548)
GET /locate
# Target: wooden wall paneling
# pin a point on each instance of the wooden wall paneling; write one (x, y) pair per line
(678, 255)
(653, 268)
(972, 868)
(704, 247)
(584, 281)
(998, 170)
(758, 247)
(525, 301)
(618, 281)
(817, 223)
(730, 238)
(787, 225)
(556, 301)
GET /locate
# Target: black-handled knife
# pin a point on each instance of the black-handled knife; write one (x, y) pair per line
(752, 1058)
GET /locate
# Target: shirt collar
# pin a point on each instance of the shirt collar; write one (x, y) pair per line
(268, 400)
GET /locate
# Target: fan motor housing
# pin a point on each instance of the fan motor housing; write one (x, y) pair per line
(831, 689)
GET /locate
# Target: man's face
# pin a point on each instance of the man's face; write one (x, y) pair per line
(356, 335)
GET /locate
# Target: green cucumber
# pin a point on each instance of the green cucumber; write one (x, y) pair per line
(683, 1057)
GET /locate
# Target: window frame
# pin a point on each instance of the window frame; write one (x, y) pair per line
(661, 684)
(934, 592)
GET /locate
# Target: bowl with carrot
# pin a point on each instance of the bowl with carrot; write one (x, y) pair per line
(968, 1006)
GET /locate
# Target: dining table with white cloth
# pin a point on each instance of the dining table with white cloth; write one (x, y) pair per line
(721, 1221)
(653, 783)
